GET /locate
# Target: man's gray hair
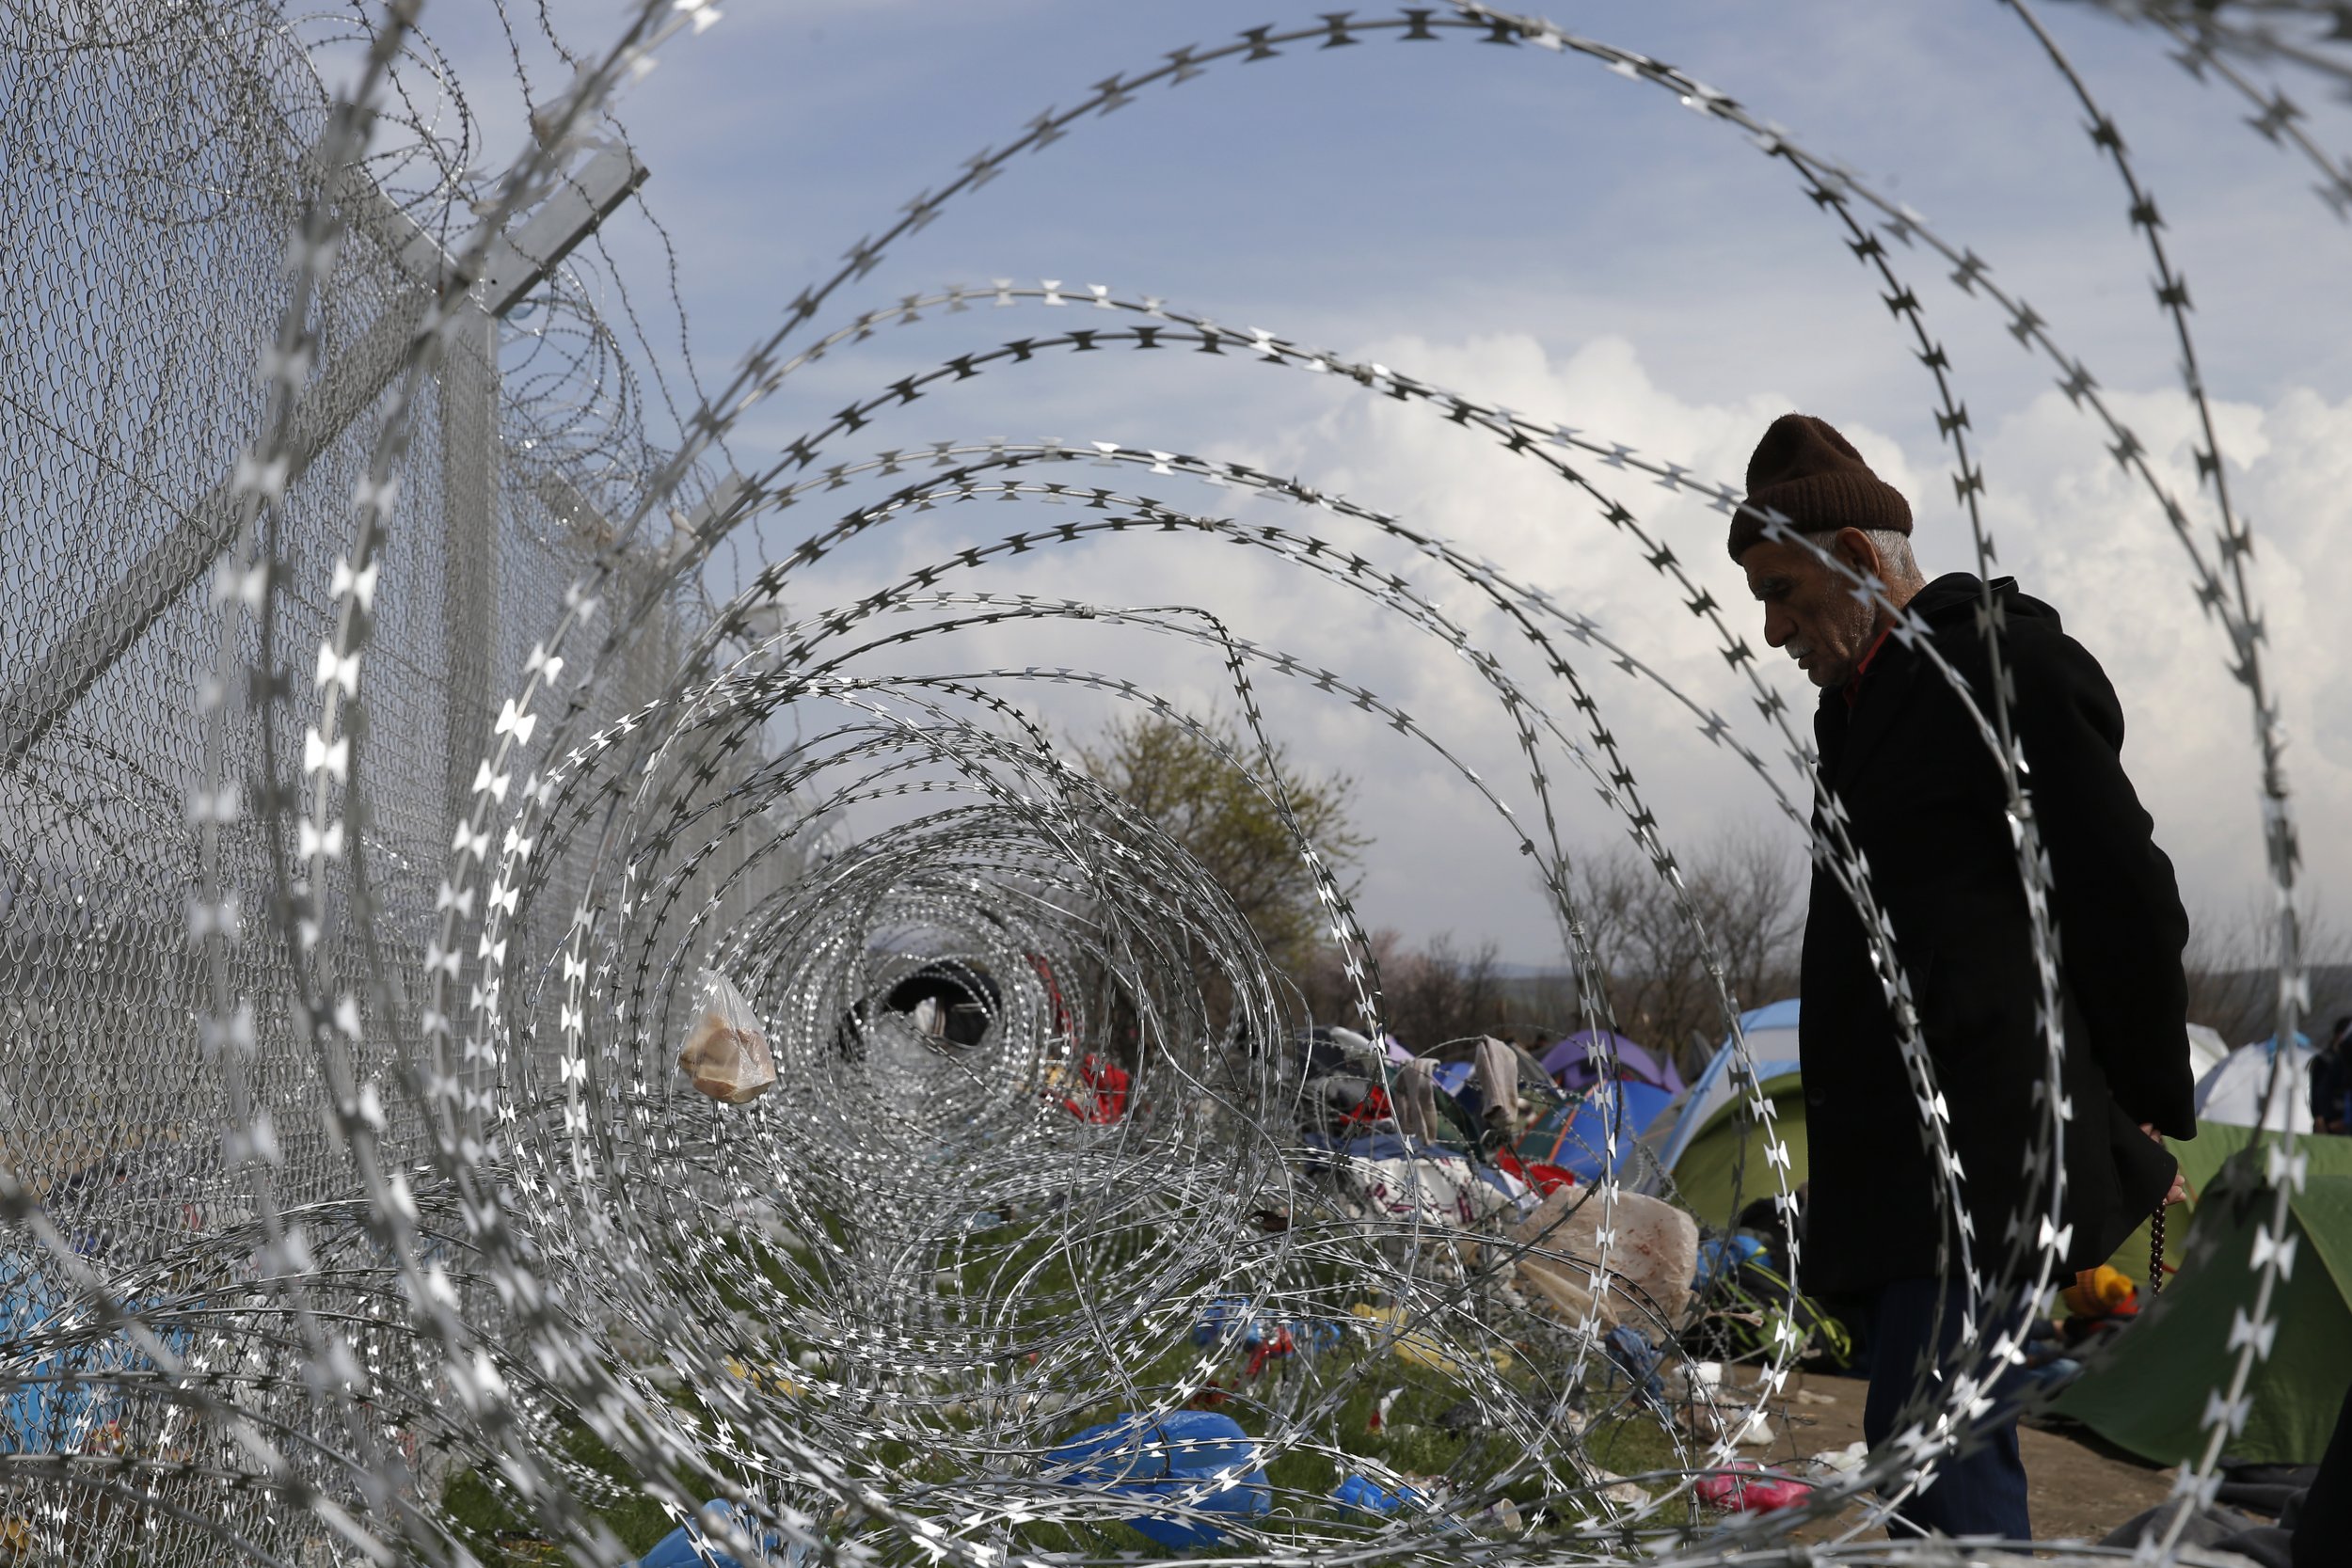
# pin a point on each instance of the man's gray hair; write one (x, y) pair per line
(1898, 566)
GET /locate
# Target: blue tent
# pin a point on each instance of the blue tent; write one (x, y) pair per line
(1771, 1036)
(687, 1546)
(68, 1397)
(1576, 1136)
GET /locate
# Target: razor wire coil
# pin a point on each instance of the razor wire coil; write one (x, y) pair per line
(418, 838)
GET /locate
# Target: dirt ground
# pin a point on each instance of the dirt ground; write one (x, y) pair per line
(2080, 1487)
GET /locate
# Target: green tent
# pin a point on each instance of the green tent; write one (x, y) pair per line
(2148, 1390)
(1722, 1168)
(2215, 1144)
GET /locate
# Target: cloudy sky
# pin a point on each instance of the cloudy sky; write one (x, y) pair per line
(1528, 228)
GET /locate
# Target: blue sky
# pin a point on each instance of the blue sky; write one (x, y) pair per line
(1525, 225)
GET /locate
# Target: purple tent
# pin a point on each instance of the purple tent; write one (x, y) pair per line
(1571, 1068)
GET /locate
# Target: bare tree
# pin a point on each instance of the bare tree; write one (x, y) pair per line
(2234, 978)
(1741, 914)
(1429, 995)
(1748, 896)
(1438, 994)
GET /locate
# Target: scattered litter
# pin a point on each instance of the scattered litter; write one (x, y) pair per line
(1637, 1358)
(1501, 1519)
(1747, 1488)
(1232, 1320)
(1416, 1347)
(768, 1379)
(1845, 1461)
(1618, 1490)
(1465, 1416)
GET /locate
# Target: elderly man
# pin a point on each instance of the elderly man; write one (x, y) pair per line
(1927, 809)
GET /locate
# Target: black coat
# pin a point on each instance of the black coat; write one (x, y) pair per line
(1927, 813)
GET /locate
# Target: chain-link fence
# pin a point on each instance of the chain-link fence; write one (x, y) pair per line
(154, 163)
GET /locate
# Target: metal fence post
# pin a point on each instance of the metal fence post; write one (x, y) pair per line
(471, 461)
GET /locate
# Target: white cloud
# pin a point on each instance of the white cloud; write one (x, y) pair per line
(2090, 539)
(1596, 207)
(2064, 516)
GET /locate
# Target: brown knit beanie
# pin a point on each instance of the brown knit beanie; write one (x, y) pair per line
(1811, 475)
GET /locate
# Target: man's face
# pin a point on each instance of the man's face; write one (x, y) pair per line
(1810, 608)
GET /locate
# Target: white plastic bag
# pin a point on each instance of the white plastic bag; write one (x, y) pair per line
(1652, 1257)
(726, 1054)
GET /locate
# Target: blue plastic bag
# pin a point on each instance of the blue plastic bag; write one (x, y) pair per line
(677, 1549)
(1168, 1457)
(1722, 1256)
(1637, 1358)
(1359, 1493)
(1225, 1317)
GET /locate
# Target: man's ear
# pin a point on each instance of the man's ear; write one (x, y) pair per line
(1854, 548)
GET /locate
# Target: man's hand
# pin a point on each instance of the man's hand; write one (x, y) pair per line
(2179, 1190)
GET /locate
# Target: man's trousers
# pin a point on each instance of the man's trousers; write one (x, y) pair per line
(1979, 1493)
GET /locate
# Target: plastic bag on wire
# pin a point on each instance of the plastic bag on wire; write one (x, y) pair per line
(726, 1056)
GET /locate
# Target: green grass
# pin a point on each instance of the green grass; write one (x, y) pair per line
(504, 1537)
(1632, 1446)
(760, 1279)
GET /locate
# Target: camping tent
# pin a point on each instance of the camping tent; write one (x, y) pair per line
(1772, 1037)
(2232, 1091)
(2148, 1390)
(1716, 1151)
(1727, 1167)
(1717, 1154)
(1575, 1135)
(2205, 1048)
(1570, 1063)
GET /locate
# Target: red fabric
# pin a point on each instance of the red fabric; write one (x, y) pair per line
(1278, 1343)
(1853, 682)
(1062, 1026)
(1538, 1173)
(1109, 1082)
(1375, 1108)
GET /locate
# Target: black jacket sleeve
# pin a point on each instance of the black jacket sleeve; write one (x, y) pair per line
(2121, 926)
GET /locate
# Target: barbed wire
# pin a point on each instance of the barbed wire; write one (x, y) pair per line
(878, 1313)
